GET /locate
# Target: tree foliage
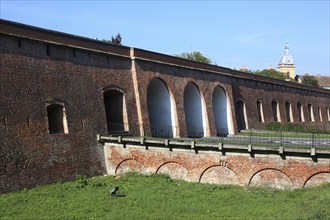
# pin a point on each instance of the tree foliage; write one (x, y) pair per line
(272, 73)
(195, 56)
(114, 40)
(310, 80)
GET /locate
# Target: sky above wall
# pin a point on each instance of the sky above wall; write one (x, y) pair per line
(231, 33)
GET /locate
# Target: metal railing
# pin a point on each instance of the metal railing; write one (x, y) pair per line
(116, 127)
(276, 139)
(246, 137)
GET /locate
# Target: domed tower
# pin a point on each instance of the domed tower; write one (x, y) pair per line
(286, 64)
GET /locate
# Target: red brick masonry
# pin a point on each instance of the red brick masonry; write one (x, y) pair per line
(239, 168)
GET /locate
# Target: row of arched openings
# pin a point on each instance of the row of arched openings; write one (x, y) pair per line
(276, 116)
(162, 110)
(163, 114)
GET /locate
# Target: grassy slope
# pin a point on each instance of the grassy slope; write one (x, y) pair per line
(158, 197)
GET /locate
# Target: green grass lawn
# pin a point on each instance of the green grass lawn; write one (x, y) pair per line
(159, 197)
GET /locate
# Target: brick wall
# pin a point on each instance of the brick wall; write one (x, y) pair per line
(39, 66)
(237, 168)
(29, 79)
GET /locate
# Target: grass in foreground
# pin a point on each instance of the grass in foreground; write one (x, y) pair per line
(159, 197)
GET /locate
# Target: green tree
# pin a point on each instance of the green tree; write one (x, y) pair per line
(272, 73)
(310, 80)
(114, 40)
(195, 56)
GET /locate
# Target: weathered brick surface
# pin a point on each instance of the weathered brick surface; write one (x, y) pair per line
(206, 167)
(28, 79)
(37, 66)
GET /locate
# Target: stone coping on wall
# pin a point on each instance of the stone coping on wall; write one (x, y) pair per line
(216, 147)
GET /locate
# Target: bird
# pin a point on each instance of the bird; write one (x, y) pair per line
(112, 192)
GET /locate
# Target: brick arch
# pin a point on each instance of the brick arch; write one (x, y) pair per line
(288, 110)
(195, 111)
(174, 169)
(317, 179)
(241, 114)
(276, 112)
(260, 109)
(114, 87)
(221, 111)
(129, 164)
(161, 107)
(115, 107)
(219, 174)
(271, 177)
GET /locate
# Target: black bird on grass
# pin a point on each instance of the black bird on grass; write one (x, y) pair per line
(112, 192)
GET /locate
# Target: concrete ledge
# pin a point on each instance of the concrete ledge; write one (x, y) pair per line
(216, 147)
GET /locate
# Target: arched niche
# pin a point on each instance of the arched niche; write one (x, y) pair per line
(115, 109)
(241, 115)
(276, 110)
(310, 112)
(220, 111)
(193, 111)
(300, 111)
(260, 111)
(288, 112)
(161, 109)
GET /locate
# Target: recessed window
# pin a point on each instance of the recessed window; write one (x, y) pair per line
(115, 109)
(260, 111)
(301, 117)
(241, 115)
(48, 50)
(19, 43)
(288, 111)
(28, 121)
(57, 122)
(276, 111)
(320, 114)
(74, 53)
(310, 112)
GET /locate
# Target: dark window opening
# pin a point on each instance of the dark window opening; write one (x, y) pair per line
(320, 114)
(113, 101)
(299, 108)
(288, 111)
(310, 112)
(19, 43)
(48, 50)
(28, 121)
(260, 111)
(241, 115)
(275, 110)
(55, 118)
(74, 53)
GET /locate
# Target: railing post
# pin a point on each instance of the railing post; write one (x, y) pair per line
(313, 134)
(251, 137)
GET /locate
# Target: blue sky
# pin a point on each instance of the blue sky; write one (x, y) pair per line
(231, 33)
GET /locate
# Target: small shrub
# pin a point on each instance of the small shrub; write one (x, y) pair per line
(274, 126)
(292, 127)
